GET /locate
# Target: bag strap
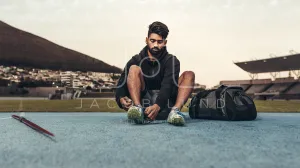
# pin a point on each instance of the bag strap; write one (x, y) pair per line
(220, 90)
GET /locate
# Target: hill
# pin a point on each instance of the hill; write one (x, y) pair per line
(20, 48)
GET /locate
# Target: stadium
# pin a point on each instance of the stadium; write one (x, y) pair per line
(58, 107)
(274, 88)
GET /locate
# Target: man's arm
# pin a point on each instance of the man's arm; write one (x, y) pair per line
(122, 90)
(170, 80)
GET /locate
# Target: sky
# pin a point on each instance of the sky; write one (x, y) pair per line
(207, 36)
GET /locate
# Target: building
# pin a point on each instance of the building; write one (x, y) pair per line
(66, 77)
(76, 83)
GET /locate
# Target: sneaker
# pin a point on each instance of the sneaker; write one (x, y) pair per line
(176, 117)
(136, 113)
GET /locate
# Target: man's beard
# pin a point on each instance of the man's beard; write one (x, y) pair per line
(155, 51)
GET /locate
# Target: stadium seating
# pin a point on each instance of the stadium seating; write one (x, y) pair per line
(245, 87)
(281, 88)
(278, 87)
(294, 90)
(257, 88)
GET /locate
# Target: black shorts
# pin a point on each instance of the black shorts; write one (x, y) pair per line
(148, 98)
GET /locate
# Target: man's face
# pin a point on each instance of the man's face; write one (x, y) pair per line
(155, 43)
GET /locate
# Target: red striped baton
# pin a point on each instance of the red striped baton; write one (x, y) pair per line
(32, 125)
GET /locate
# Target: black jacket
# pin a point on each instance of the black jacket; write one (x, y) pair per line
(159, 75)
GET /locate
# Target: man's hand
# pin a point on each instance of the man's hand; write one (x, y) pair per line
(126, 102)
(152, 111)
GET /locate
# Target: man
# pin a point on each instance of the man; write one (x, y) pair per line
(150, 87)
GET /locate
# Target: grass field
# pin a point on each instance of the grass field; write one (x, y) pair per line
(109, 105)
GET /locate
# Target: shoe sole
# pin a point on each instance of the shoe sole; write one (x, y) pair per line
(135, 115)
(177, 121)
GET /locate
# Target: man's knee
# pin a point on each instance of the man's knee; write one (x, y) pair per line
(188, 74)
(135, 69)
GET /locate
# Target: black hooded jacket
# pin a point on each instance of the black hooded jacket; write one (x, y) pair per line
(160, 75)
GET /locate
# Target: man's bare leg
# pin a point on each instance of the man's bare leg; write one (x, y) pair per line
(135, 84)
(186, 86)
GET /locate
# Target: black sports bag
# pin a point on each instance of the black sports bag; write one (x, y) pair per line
(223, 103)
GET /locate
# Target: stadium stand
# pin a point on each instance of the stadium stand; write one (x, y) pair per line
(279, 88)
(277, 64)
(280, 85)
(284, 80)
(257, 88)
(295, 89)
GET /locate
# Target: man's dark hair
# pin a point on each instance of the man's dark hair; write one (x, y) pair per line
(158, 28)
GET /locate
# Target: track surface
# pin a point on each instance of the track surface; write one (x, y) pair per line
(109, 140)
